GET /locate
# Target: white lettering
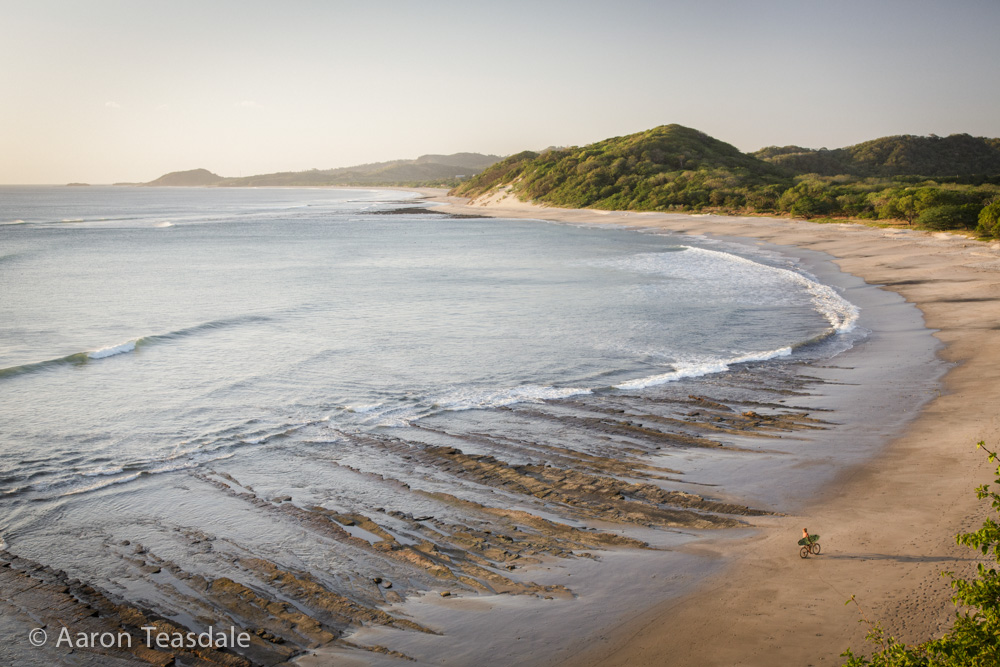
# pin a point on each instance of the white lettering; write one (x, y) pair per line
(94, 639)
(208, 639)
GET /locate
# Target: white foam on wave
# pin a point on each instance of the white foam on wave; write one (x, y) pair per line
(841, 314)
(364, 409)
(388, 414)
(121, 348)
(103, 471)
(495, 398)
(160, 225)
(838, 311)
(700, 368)
(381, 414)
(127, 346)
(101, 485)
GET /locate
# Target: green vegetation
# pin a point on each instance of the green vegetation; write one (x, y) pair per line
(666, 167)
(989, 220)
(927, 182)
(958, 157)
(974, 641)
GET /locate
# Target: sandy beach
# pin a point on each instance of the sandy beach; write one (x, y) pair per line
(887, 525)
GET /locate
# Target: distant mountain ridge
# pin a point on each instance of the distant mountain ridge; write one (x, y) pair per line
(426, 169)
(190, 178)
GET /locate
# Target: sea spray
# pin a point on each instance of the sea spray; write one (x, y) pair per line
(121, 348)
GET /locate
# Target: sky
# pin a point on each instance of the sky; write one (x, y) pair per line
(108, 91)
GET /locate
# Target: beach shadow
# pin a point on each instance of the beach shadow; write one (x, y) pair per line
(897, 558)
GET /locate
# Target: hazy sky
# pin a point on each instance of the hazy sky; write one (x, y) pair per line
(102, 90)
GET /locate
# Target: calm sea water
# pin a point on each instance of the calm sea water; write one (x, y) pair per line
(150, 330)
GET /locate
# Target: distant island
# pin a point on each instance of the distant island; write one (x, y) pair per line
(938, 183)
(426, 170)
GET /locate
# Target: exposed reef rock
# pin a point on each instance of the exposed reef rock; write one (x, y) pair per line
(454, 506)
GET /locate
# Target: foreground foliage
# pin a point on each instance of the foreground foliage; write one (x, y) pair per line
(974, 641)
(929, 182)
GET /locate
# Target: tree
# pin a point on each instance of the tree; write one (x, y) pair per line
(906, 205)
(989, 220)
(948, 217)
(974, 641)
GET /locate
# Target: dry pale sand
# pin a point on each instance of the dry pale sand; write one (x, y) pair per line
(887, 526)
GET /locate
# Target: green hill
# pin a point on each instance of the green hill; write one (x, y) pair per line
(955, 157)
(928, 182)
(667, 166)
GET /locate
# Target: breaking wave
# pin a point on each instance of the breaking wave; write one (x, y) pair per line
(381, 414)
(111, 351)
(698, 369)
(762, 283)
(126, 347)
(496, 398)
(838, 311)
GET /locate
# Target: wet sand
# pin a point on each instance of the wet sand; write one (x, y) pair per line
(887, 524)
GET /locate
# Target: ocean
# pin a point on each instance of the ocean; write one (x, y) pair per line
(353, 389)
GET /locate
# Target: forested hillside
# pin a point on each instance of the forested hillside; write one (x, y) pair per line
(929, 182)
(958, 157)
(668, 166)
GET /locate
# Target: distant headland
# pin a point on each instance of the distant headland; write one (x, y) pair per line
(426, 170)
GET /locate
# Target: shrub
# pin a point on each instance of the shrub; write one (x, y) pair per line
(974, 640)
(948, 217)
(989, 220)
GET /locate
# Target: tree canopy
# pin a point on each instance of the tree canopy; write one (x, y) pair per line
(931, 182)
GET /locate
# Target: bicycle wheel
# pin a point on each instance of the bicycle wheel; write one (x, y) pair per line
(804, 552)
(815, 548)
